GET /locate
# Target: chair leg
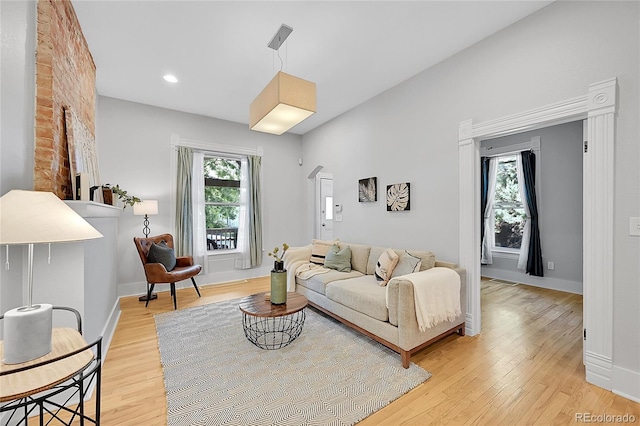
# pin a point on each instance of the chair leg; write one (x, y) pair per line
(173, 293)
(149, 291)
(196, 286)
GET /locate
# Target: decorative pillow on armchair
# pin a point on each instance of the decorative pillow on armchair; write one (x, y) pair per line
(160, 253)
(338, 259)
(386, 263)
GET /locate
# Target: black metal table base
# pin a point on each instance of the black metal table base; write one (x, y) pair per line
(273, 332)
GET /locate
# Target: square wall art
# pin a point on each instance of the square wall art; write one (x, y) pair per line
(398, 197)
(368, 190)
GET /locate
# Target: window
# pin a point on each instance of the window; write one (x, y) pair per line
(221, 202)
(508, 211)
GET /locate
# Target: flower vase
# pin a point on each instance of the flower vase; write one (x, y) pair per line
(278, 283)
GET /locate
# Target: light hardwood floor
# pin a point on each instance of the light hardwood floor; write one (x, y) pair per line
(524, 368)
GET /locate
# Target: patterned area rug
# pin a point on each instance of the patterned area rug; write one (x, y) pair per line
(330, 375)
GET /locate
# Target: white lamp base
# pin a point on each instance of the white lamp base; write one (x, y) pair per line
(27, 333)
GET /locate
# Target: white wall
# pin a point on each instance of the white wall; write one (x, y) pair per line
(559, 194)
(134, 151)
(409, 133)
(17, 85)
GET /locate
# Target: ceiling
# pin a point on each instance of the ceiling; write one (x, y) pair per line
(352, 50)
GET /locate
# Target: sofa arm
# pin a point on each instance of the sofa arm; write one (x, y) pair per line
(293, 258)
(295, 254)
(402, 310)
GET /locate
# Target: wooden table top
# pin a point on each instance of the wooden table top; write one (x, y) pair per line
(256, 305)
(37, 379)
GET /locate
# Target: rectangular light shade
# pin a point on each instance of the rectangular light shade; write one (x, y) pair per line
(33, 217)
(283, 103)
(148, 207)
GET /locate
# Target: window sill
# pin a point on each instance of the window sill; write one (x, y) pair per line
(221, 252)
(505, 254)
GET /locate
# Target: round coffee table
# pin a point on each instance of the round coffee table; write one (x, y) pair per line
(272, 326)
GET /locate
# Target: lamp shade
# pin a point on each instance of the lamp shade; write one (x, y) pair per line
(145, 207)
(32, 217)
(283, 103)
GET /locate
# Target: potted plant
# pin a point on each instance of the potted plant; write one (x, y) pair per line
(279, 276)
(108, 190)
(278, 263)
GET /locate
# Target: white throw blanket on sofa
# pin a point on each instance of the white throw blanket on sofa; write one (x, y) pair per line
(437, 296)
(293, 259)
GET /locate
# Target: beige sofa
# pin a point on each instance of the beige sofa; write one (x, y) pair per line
(385, 313)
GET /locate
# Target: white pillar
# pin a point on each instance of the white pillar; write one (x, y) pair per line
(598, 190)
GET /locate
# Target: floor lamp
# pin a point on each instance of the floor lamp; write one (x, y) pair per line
(146, 208)
(29, 218)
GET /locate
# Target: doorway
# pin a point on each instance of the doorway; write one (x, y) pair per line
(324, 207)
(598, 107)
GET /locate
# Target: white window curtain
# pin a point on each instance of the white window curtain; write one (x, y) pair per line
(526, 231)
(489, 229)
(243, 258)
(250, 231)
(199, 219)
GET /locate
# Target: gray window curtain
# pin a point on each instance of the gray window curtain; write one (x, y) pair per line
(255, 212)
(484, 191)
(183, 240)
(534, 260)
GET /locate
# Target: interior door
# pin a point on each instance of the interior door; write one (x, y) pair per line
(324, 216)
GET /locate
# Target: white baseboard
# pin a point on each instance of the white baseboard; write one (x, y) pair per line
(110, 328)
(598, 370)
(542, 282)
(221, 277)
(468, 325)
(626, 383)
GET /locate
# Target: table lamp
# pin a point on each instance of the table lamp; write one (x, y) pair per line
(32, 217)
(146, 208)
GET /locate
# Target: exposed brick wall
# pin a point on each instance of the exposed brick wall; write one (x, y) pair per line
(65, 77)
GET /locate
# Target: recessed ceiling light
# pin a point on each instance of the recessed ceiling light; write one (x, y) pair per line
(170, 78)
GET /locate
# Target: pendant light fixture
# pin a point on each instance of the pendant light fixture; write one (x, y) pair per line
(286, 101)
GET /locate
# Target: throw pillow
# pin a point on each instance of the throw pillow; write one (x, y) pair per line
(161, 253)
(338, 259)
(407, 264)
(319, 249)
(384, 268)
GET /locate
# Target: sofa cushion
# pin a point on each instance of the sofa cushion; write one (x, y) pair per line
(374, 255)
(407, 264)
(359, 256)
(362, 294)
(385, 266)
(427, 258)
(318, 282)
(338, 258)
(319, 250)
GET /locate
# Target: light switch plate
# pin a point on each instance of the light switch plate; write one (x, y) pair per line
(634, 226)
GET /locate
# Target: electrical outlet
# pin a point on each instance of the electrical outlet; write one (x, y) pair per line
(551, 266)
(634, 226)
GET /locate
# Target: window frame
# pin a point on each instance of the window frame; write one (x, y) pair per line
(505, 151)
(208, 148)
(226, 184)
